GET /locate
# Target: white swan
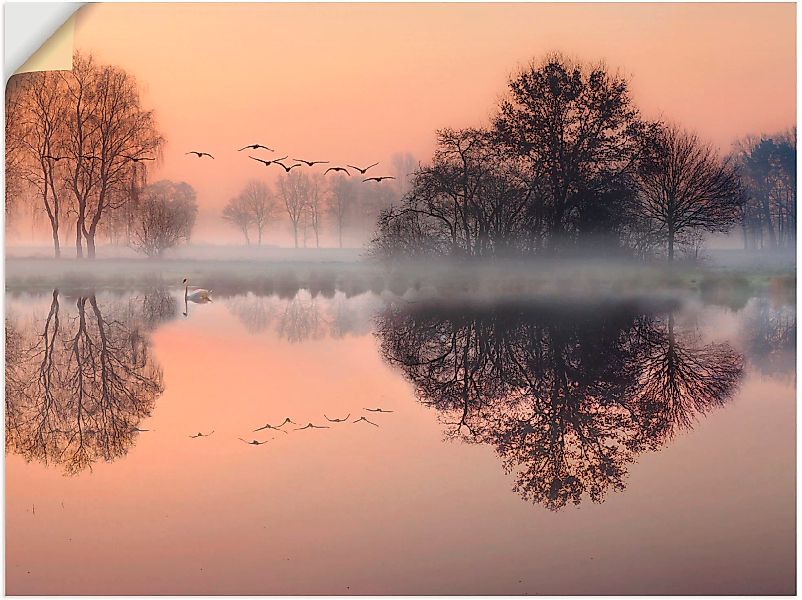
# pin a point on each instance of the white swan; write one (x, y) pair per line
(197, 295)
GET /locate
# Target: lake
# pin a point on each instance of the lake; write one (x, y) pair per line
(633, 445)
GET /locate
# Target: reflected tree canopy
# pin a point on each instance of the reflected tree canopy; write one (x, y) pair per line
(80, 380)
(568, 398)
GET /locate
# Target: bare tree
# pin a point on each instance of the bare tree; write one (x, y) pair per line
(165, 217)
(314, 207)
(684, 185)
(342, 193)
(580, 134)
(294, 191)
(238, 213)
(260, 203)
(41, 111)
(404, 165)
(109, 132)
(16, 155)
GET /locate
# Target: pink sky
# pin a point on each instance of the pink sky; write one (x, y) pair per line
(358, 82)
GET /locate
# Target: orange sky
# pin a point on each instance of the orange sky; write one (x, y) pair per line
(357, 82)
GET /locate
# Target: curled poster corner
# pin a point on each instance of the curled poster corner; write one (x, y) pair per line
(55, 52)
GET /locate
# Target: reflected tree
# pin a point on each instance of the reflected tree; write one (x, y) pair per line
(769, 335)
(79, 385)
(567, 398)
(301, 319)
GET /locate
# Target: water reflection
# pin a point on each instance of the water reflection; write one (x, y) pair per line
(306, 315)
(769, 331)
(567, 397)
(80, 380)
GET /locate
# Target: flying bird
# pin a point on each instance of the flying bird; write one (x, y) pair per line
(378, 410)
(56, 158)
(345, 418)
(365, 420)
(255, 147)
(137, 159)
(199, 154)
(311, 163)
(311, 426)
(363, 171)
(269, 426)
(377, 179)
(199, 434)
(267, 163)
(254, 442)
(286, 168)
(343, 169)
(287, 420)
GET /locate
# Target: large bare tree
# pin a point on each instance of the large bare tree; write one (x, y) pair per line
(108, 133)
(37, 141)
(685, 185)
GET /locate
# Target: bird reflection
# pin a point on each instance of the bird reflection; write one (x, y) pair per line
(568, 397)
(269, 426)
(345, 418)
(254, 442)
(78, 382)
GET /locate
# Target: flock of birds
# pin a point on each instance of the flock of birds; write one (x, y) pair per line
(275, 161)
(289, 421)
(299, 162)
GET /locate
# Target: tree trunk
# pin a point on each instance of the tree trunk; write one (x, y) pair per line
(670, 243)
(340, 234)
(259, 242)
(79, 250)
(295, 233)
(56, 243)
(769, 225)
(90, 246)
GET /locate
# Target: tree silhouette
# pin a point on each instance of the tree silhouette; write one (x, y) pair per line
(79, 385)
(684, 186)
(568, 398)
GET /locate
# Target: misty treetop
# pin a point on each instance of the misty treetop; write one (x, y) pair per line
(568, 164)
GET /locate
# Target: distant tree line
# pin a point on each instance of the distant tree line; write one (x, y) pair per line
(569, 164)
(768, 172)
(78, 146)
(312, 203)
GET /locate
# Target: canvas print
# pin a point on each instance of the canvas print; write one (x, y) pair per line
(403, 299)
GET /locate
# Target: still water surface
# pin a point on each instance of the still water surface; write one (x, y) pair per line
(630, 447)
